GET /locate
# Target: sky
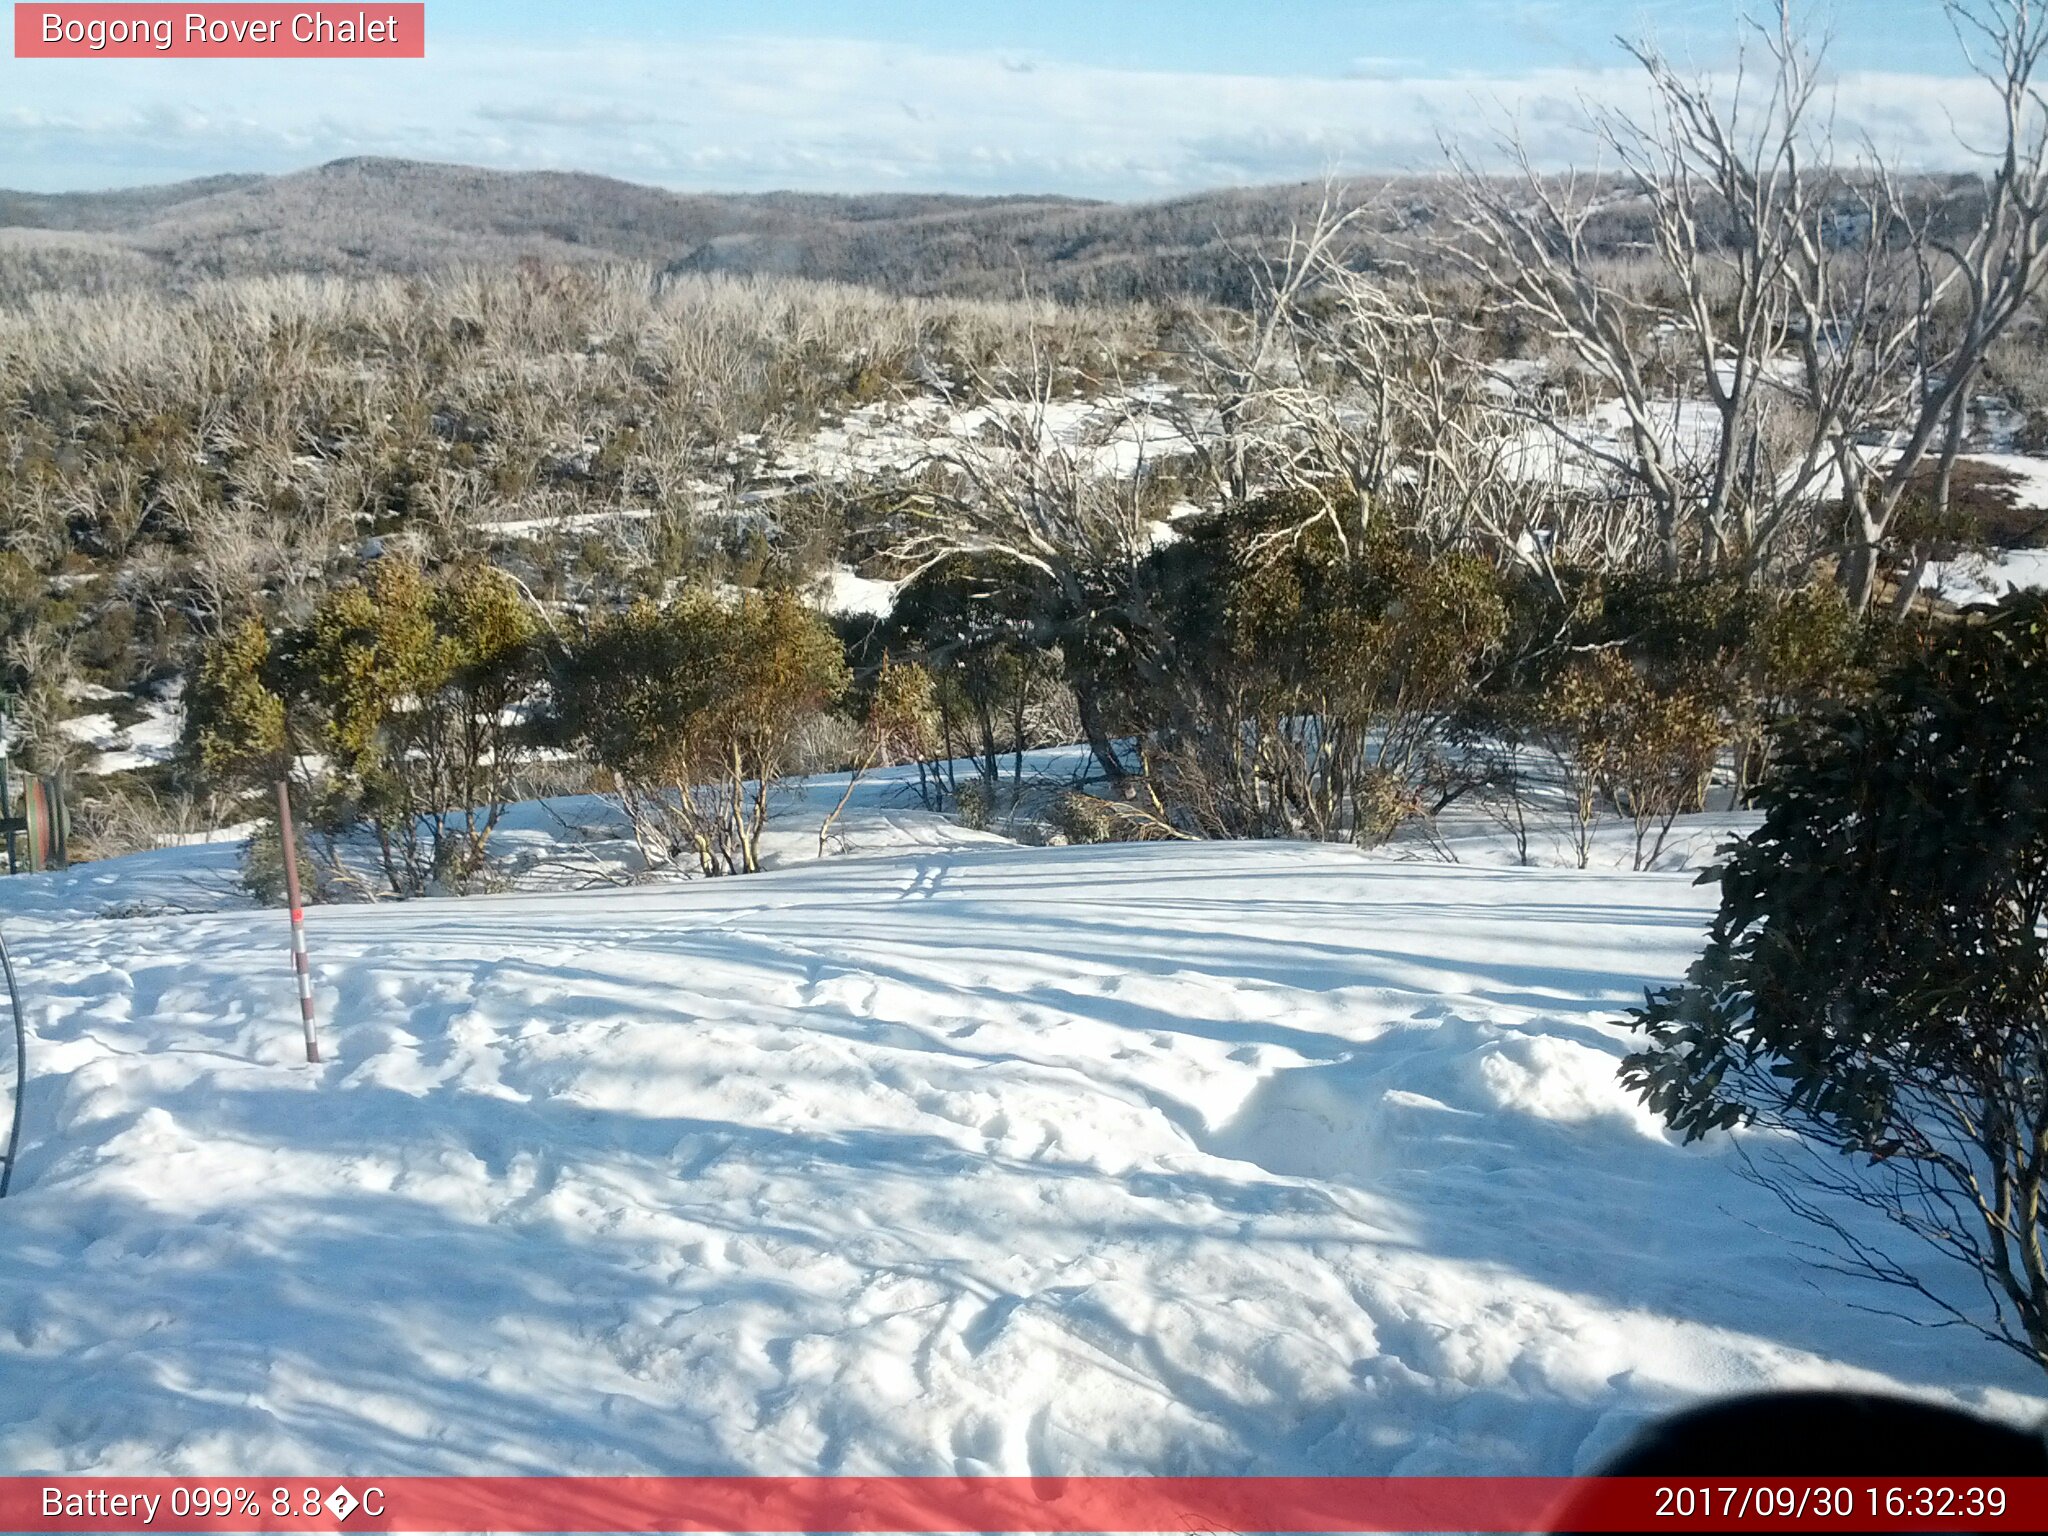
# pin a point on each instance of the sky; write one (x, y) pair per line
(1121, 99)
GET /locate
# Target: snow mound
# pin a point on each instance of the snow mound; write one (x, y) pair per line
(1148, 1159)
(1987, 577)
(844, 592)
(118, 748)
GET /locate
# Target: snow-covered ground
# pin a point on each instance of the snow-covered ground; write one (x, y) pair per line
(953, 1157)
(570, 522)
(1988, 576)
(2026, 476)
(1112, 435)
(118, 748)
(844, 592)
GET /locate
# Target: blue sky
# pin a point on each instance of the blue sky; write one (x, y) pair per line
(1280, 37)
(1107, 98)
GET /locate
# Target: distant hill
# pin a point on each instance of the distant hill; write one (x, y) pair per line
(404, 216)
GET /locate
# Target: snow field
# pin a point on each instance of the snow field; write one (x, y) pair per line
(967, 1158)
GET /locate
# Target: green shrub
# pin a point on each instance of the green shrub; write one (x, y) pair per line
(695, 711)
(261, 869)
(1876, 979)
(235, 729)
(1306, 687)
(974, 803)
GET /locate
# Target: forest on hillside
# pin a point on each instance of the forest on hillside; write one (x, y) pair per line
(1588, 483)
(367, 217)
(397, 531)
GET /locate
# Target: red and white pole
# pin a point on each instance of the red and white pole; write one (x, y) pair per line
(291, 887)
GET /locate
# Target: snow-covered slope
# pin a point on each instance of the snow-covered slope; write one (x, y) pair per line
(1161, 1159)
(1987, 576)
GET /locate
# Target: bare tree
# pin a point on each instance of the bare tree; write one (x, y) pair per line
(1903, 350)
(1815, 328)
(1244, 369)
(1056, 504)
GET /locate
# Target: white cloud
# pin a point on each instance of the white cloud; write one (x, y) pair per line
(1379, 67)
(831, 114)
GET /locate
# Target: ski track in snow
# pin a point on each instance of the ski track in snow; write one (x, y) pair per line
(1159, 1159)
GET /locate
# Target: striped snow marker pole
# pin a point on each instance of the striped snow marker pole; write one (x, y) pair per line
(291, 887)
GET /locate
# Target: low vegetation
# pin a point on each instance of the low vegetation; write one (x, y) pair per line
(1876, 981)
(693, 710)
(1566, 499)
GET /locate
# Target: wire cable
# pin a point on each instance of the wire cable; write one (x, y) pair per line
(20, 1065)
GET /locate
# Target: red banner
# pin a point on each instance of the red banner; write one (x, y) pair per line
(144, 31)
(1022, 1504)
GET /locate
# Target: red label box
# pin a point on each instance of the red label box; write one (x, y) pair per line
(1051, 1506)
(369, 30)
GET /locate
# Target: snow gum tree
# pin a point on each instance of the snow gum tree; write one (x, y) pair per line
(1821, 321)
(695, 710)
(1875, 987)
(408, 685)
(1314, 684)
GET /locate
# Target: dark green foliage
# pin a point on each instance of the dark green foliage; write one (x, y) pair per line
(234, 731)
(1303, 687)
(261, 871)
(694, 710)
(1752, 655)
(412, 678)
(1877, 975)
(408, 684)
(1646, 750)
(980, 627)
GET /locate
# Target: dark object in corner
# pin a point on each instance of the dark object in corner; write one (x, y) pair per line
(1821, 1434)
(1825, 1434)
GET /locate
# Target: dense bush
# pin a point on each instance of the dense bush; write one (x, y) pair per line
(1756, 654)
(261, 872)
(1876, 979)
(694, 710)
(978, 629)
(415, 681)
(1647, 751)
(1310, 686)
(235, 731)
(408, 687)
